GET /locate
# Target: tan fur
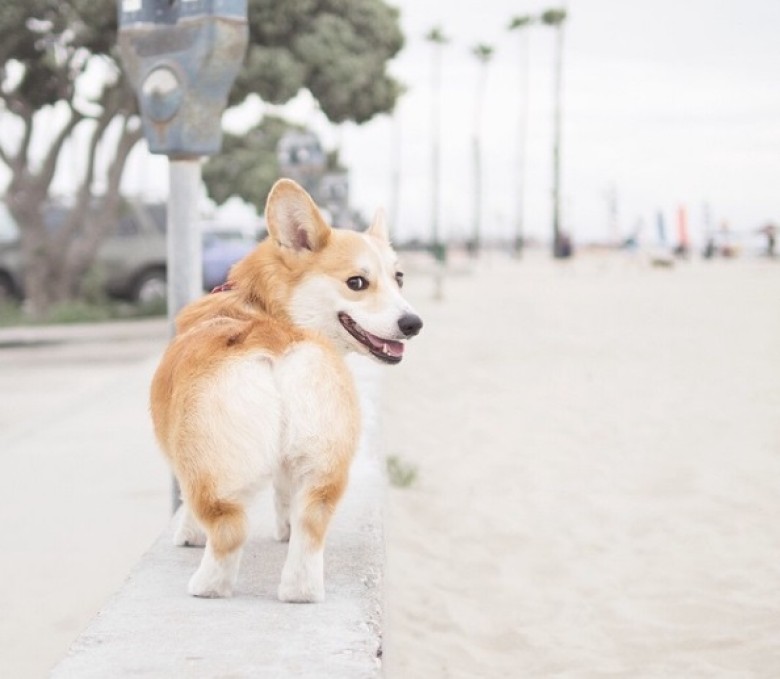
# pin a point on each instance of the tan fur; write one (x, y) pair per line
(321, 503)
(249, 328)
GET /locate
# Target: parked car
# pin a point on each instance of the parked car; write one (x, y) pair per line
(132, 259)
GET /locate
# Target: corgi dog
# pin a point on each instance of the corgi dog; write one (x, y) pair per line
(254, 390)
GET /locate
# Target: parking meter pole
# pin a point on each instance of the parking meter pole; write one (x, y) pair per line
(182, 59)
(185, 272)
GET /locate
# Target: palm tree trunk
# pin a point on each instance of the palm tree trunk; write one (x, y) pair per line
(438, 248)
(522, 137)
(558, 249)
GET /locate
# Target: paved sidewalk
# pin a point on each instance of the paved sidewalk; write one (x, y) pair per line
(84, 490)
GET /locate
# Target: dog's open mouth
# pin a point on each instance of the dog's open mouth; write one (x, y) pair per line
(387, 350)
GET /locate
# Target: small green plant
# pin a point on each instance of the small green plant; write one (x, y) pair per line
(401, 474)
(93, 286)
(80, 311)
(157, 307)
(10, 313)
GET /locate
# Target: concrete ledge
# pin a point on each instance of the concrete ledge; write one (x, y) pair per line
(153, 628)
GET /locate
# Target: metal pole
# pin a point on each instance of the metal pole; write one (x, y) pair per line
(185, 268)
(395, 181)
(557, 249)
(438, 246)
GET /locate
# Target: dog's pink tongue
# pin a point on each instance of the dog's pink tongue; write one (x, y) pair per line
(387, 347)
(395, 349)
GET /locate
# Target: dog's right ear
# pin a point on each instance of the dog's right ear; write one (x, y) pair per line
(293, 219)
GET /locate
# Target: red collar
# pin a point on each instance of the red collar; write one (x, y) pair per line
(229, 285)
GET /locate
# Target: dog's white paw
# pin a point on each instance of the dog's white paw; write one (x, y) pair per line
(301, 593)
(303, 584)
(209, 585)
(302, 575)
(215, 578)
(189, 536)
(282, 532)
(188, 532)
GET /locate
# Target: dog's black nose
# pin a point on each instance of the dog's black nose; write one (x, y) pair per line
(410, 324)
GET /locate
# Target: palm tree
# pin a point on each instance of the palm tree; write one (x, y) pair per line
(437, 38)
(483, 53)
(556, 19)
(520, 24)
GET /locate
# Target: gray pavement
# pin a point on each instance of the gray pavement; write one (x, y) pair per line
(84, 490)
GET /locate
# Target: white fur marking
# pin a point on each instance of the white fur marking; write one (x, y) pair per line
(215, 577)
(188, 531)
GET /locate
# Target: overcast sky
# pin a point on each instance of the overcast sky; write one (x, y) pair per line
(671, 103)
(666, 103)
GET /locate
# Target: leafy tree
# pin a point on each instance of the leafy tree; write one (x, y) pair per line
(51, 49)
(248, 165)
(521, 24)
(46, 48)
(338, 49)
(556, 18)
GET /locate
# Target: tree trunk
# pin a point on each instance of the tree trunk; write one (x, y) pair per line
(96, 222)
(55, 263)
(25, 199)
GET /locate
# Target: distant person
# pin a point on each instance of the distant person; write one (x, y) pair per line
(770, 231)
(564, 247)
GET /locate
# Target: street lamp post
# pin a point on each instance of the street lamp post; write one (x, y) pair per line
(437, 38)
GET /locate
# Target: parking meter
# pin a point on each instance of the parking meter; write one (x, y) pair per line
(182, 57)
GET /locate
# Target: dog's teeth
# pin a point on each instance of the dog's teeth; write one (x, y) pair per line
(384, 348)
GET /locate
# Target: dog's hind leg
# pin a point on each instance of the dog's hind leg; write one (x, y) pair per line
(188, 532)
(226, 527)
(282, 507)
(311, 510)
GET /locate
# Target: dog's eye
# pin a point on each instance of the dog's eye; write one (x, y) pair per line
(399, 278)
(357, 283)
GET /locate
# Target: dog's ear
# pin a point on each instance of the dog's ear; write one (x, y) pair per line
(293, 220)
(378, 228)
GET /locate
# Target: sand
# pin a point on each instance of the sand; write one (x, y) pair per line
(598, 454)
(598, 493)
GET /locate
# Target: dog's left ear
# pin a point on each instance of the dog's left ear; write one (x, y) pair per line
(293, 219)
(378, 228)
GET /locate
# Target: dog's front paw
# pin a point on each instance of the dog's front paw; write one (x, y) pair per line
(209, 587)
(215, 577)
(301, 592)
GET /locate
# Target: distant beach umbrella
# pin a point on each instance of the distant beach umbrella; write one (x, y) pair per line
(683, 237)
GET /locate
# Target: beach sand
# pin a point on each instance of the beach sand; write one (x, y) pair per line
(598, 492)
(598, 455)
